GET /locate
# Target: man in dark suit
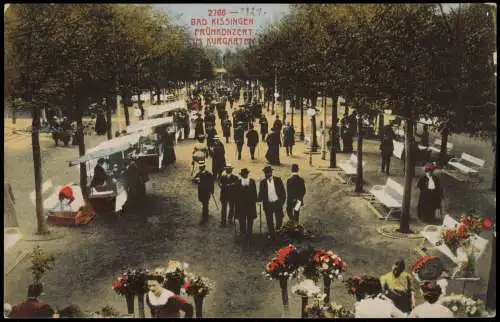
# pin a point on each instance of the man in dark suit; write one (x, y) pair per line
(227, 184)
(252, 140)
(239, 138)
(205, 189)
(296, 189)
(246, 200)
(272, 194)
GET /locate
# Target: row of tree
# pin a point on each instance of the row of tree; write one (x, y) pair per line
(419, 60)
(71, 55)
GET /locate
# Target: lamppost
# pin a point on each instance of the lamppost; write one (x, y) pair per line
(323, 139)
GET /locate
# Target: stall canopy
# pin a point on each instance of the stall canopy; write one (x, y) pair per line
(165, 108)
(149, 124)
(109, 147)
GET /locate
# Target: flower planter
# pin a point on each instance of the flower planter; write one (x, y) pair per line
(284, 290)
(140, 300)
(327, 282)
(198, 304)
(303, 313)
(129, 298)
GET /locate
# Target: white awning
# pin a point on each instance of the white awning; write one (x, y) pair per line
(149, 124)
(165, 108)
(109, 147)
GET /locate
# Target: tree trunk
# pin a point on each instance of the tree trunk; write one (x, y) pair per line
(333, 137)
(42, 227)
(404, 223)
(109, 104)
(274, 102)
(151, 97)
(381, 125)
(158, 96)
(443, 155)
(141, 107)
(494, 181)
(301, 105)
(314, 137)
(126, 100)
(81, 149)
(293, 108)
(359, 170)
(283, 102)
(491, 295)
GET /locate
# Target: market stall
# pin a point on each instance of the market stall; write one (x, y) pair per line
(150, 154)
(111, 195)
(67, 211)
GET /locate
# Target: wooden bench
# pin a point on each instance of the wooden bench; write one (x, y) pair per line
(350, 167)
(390, 195)
(436, 146)
(467, 164)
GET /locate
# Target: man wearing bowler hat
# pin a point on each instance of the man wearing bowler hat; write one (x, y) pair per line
(246, 200)
(227, 183)
(296, 189)
(205, 189)
(272, 194)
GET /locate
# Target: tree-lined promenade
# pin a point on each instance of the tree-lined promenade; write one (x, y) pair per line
(72, 55)
(415, 59)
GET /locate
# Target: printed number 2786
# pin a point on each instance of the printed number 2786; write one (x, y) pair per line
(216, 12)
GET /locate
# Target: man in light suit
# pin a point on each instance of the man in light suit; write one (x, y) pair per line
(296, 189)
(272, 194)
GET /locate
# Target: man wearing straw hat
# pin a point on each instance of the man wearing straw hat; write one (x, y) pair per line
(205, 189)
(246, 201)
(272, 194)
(227, 184)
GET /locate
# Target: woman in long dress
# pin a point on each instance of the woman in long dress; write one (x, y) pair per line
(398, 286)
(431, 194)
(168, 149)
(273, 143)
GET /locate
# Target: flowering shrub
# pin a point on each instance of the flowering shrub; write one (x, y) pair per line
(328, 263)
(462, 306)
(317, 310)
(428, 268)
(198, 286)
(292, 231)
(284, 265)
(451, 239)
(120, 285)
(41, 262)
(471, 223)
(306, 288)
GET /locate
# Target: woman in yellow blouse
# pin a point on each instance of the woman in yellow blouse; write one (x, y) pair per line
(397, 285)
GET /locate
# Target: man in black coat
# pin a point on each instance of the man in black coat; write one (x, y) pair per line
(252, 140)
(205, 189)
(264, 127)
(239, 138)
(227, 184)
(246, 200)
(226, 128)
(272, 194)
(296, 189)
(386, 149)
(199, 128)
(278, 125)
(218, 157)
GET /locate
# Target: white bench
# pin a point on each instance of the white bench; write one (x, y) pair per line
(390, 195)
(436, 146)
(467, 164)
(350, 167)
(432, 234)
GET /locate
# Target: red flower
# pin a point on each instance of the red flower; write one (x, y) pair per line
(273, 265)
(353, 290)
(487, 223)
(285, 252)
(186, 285)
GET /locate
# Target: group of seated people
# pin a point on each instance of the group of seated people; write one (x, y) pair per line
(393, 296)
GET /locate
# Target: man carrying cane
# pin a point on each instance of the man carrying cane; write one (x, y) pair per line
(228, 184)
(205, 189)
(246, 200)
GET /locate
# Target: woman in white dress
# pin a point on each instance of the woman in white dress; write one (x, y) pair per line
(431, 308)
(373, 303)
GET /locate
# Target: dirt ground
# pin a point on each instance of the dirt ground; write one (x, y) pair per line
(89, 258)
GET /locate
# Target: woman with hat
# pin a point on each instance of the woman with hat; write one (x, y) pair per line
(431, 194)
(431, 308)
